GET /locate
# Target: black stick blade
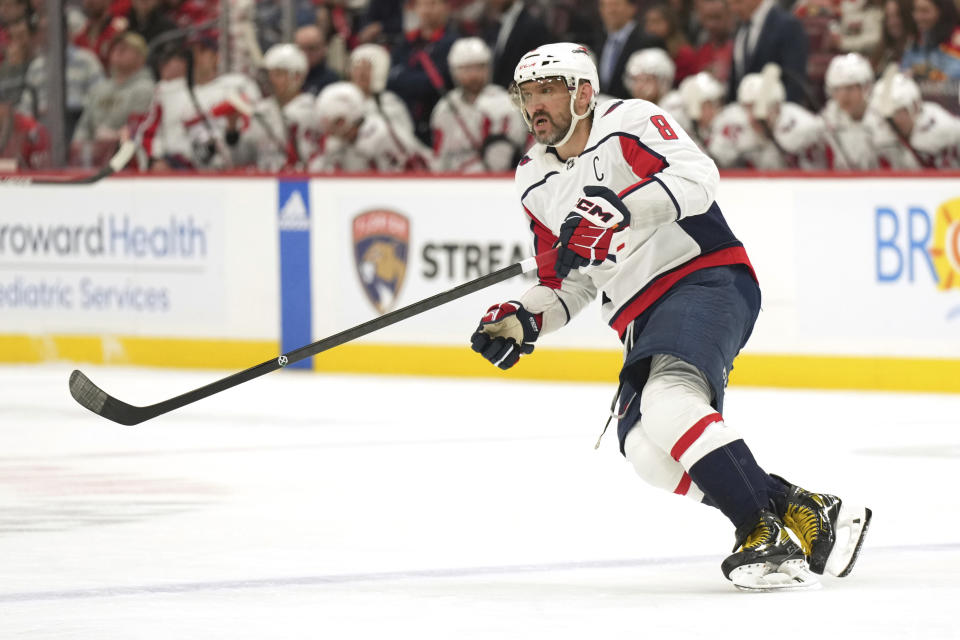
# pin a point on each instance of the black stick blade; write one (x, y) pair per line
(92, 397)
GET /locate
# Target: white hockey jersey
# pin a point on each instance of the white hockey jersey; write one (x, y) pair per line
(278, 139)
(377, 148)
(641, 153)
(732, 142)
(479, 136)
(799, 141)
(188, 133)
(935, 138)
(393, 109)
(850, 140)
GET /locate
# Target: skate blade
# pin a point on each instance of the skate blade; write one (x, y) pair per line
(792, 575)
(851, 529)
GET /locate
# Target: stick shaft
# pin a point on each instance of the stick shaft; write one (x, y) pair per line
(91, 397)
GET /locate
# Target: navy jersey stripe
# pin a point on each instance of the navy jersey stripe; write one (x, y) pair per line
(537, 184)
(669, 193)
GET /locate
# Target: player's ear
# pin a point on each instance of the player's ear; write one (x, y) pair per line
(584, 95)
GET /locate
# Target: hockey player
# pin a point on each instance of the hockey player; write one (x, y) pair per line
(280, 132)
(357, 141)
(474, 126)
(369, 67)
(701, 101)
(848, 122)
(187, 122)
(677, 287)
(649, 76)
(790, 137)
(910, 133)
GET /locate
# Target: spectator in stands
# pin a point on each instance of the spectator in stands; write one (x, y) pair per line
(147, 18)
(715, 54)
(899, 30)
(100, 29)
(622, 35)
(935, 54)
(860, 27)
(357, 141)
(819, 19)
(475, 126)
(911, 133)
(83, 70)
(24, 142)
(767, 33)
(369, 67)
(11, 12)
(312, 42)
(661, 21)
(114, 103)
(382, 23)
(510, 30)
(282, 133)
(17, 53)
(419, 73)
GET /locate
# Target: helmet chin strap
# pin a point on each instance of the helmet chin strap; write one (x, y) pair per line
(574, 118)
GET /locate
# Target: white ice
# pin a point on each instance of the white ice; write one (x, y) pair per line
(308, 506)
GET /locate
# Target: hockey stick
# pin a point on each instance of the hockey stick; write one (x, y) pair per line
(119, 160)
(101, 403)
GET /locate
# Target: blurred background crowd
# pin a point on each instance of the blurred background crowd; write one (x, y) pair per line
(422, 85)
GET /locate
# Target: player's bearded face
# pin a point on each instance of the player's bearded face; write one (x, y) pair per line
(547, 103)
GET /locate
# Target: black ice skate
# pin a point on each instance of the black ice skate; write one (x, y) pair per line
(830, 531)
(766, 559)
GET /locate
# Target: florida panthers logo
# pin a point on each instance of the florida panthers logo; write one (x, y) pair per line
(380, 242)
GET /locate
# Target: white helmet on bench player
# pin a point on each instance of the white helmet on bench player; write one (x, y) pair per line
(848, 69)
(568, 61)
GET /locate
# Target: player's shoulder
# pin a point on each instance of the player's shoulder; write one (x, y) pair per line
(373, 135)
(796, 126)
(935, 127)
(536, 164)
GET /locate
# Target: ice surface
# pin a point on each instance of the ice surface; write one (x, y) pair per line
(309, 506)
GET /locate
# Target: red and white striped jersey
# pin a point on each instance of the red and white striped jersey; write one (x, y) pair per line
(462, 131)
(377, 148)
(278, 139)
(641, 153)
(935, 138)
(850, 139)
(191, 133)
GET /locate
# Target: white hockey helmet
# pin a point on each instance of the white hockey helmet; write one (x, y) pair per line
(762, 91)
(466, 51)
(848, 69)
(379, 59)
(697, 89)
(567, 60)
(288, 57)
(339, 100)
(654, 62)
(896, 91)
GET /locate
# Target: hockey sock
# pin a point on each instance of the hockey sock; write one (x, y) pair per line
(732, 481)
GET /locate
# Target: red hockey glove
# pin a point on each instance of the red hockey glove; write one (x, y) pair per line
(506, 331)
(586, 232)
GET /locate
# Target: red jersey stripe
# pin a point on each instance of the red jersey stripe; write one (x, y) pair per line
(658, 287)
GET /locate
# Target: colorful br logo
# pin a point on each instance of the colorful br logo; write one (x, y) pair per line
(381, 239)
(945, 250)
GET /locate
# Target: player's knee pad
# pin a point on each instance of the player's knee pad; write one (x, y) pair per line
(656, 467)
(677, 415)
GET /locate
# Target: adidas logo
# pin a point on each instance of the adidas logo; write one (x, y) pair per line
(294, 215)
